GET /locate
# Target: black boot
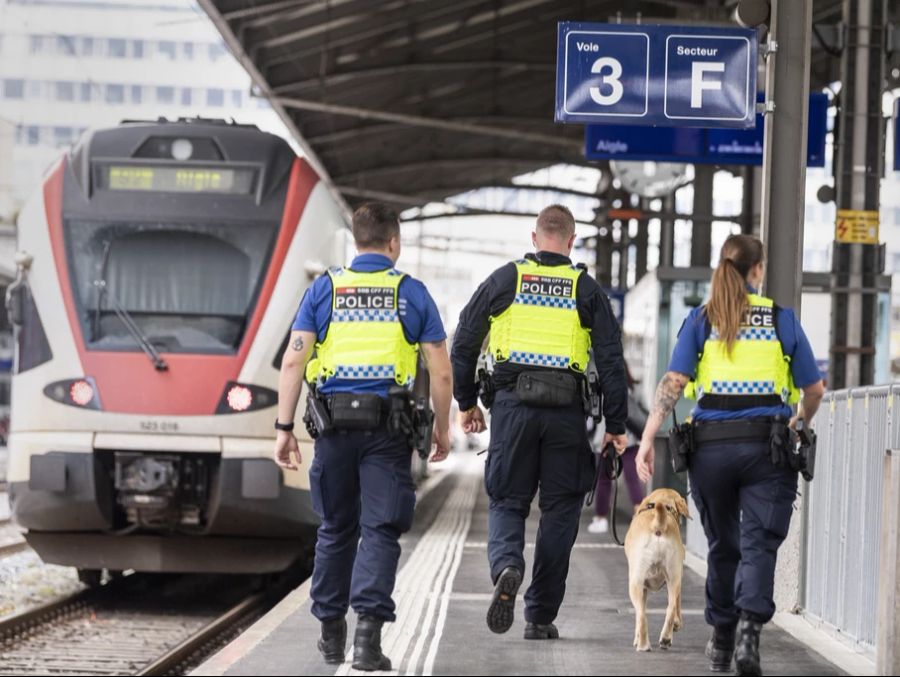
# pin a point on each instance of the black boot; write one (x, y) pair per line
(720, 648)
(541, 631)
(333, 642)
(501, 611)
(746, 655)
(367, 645)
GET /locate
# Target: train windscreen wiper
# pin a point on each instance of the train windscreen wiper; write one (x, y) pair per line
(158, 362)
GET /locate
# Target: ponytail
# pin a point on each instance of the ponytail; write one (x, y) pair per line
(728, 301)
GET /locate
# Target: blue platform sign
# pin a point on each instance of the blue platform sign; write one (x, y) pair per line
(686, 76)
(702, 146)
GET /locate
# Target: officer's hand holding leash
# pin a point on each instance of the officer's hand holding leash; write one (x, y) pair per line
(619, 442)
(473, 420)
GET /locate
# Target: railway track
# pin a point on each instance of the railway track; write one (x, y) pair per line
(138, 625)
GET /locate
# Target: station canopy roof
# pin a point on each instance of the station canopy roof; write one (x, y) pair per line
(412, 101)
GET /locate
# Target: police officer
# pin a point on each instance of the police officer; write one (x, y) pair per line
(544, 316)
(745, 360)
(366, 324)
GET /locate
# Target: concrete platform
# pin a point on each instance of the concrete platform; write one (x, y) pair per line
(443, 590)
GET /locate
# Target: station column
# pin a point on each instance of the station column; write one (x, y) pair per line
(858, 167)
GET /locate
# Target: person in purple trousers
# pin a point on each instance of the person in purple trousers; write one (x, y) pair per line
(637, 416)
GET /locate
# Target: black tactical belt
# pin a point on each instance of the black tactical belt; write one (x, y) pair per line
(738, 402)
(750, 430)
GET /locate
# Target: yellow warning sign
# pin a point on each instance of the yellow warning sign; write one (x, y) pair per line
(856, 226)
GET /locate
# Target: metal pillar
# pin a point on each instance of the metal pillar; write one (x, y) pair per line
(642, 243)
(784, 153)
(858, 167)
(750, 200)
(701, 229)
(667, 233)
(603, 252)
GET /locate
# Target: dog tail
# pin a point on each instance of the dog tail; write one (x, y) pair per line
(659, 519)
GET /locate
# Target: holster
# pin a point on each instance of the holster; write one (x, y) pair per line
(547, 389)
(317, 418)
(487, 391)
(681, 446)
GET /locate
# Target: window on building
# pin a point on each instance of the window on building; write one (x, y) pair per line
(216, 51)
(13, 89)
(115, 93)
(186, 96)
(116, 48)
(87, 46)
(237, 98)
(34, 135)
(168, 48)
(137, 94)
(137, 49)
(86, 92)
(215, 97)
(165, 95)
(62, 136)
(64, 91)
(65, 45)
(187, 49)
(36, 44)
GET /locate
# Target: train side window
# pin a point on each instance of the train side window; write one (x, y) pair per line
(280, 354)
(31, 339)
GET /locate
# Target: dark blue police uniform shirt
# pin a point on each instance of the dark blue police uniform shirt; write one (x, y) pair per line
(693, 335)
(419, 318)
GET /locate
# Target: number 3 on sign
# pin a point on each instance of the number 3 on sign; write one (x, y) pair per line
(612, 79)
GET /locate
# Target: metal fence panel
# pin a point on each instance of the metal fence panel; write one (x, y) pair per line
(843, 505)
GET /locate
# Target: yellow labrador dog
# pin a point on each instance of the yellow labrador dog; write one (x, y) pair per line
(655, 556)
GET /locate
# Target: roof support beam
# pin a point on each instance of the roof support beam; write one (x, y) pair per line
(498, 165)
(397, 70)
(431, 194)
(431, 123)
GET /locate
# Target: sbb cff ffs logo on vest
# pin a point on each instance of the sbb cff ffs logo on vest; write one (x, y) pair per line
(541, 285)
(364, 298)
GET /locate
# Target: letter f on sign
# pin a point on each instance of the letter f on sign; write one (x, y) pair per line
(698, 84)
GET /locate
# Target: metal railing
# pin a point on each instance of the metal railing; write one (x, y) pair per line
(844, 509)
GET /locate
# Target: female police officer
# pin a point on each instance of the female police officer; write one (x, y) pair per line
(745, 360)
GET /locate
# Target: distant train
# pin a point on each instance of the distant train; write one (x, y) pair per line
(159, 270)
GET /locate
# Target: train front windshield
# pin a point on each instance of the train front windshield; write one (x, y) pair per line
(189, 287)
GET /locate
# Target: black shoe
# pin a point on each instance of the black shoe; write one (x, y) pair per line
(539, 631)
(500, 612)
(333, 642)
(720, 648)
(367, 645)
(746, 655)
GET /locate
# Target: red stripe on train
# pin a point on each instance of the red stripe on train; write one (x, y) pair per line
(193, 385)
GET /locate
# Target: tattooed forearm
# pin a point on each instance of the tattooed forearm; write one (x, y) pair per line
(668, 393)
(297, 344)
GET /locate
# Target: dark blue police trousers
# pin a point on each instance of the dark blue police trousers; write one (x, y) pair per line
(362, 490)
(533, 447)
(745, 504)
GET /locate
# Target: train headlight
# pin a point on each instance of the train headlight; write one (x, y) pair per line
(78, 392)
(239, 398)
(81, 393)
(182, 149)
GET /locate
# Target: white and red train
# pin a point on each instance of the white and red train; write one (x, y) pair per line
(159, 270)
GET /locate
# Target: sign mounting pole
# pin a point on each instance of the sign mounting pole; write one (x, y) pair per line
(784, 171)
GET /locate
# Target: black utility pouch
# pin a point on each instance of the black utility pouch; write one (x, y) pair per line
(355, 411)
(547, 389)
(681, 446)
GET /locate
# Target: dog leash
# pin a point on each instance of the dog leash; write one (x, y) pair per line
(611, 466)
